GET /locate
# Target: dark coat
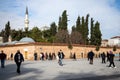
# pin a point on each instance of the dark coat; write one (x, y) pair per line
(90, 55)
(18, 57)
(3, 56)
(111, 57)
(61, 55)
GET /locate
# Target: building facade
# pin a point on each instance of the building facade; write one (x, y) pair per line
(114, 41)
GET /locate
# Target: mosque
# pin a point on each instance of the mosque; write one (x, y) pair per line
(28, 47)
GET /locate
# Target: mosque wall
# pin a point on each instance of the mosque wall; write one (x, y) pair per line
(28, 50)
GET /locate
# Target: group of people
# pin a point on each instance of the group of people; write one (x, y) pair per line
(73, 56)
(45, 56)
(18, 58)
(110, 57)
(51, 56)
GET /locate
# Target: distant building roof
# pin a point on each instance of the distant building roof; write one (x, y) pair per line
(27, 39)
(115, 37)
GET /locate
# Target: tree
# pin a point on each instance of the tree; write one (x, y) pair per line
(76, 37)
(86, 29)
(62, 36)
(17, 35)
(97, 34)
(70, 47)
(62, 25)
(7, 32)
(83, 30)
(92, 36)
(78, 25)
(35, 34)
(73, 28)
(53, 29)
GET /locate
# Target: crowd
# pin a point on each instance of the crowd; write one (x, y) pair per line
(18, 58)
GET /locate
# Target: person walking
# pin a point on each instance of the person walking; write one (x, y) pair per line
(2, 57)
(18, 58)
(35, 56)
(60, 56)
(111, 59)
(11, 56)
(103, 56)
(108, 56)
(74, 56)
(91, 56)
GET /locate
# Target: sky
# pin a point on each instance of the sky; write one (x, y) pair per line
(44, 12)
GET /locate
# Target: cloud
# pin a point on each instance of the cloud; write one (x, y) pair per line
(44, 12)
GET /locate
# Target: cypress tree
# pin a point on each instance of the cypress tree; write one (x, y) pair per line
(7, 32)
(78, 24)
(97, 34)
(53, 29)
(86, 29)
(83, 30)
(92, 36)
(60, 24)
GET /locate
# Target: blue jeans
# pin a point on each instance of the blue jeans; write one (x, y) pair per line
(2, 63)
(60, 62)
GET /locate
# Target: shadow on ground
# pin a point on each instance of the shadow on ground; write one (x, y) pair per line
(9, 72)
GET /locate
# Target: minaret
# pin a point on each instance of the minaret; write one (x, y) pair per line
(26, 19)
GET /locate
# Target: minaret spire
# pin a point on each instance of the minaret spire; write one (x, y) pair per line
(26, 10)
(26, 18)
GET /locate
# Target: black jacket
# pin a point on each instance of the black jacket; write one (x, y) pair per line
(18, 57)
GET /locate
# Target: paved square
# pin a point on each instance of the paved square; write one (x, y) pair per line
(71, 70)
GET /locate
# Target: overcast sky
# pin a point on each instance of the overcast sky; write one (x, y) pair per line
(44, 12)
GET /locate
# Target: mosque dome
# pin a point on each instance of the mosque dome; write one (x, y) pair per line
(26, 39)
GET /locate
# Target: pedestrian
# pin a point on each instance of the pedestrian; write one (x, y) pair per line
(18, 58)
(103, 56)
(11, 56)
(111, 59)
(91, 56)
(108, 56)
(46, 56)
(74, 56)
(35, 56)
(60, 56)
(3, 58)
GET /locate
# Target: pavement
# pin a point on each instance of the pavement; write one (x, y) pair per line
(71, 70)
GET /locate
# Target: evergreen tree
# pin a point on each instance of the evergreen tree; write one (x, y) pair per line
(64, 20)
(92, 36)
(78, 25)
(86, 30)
(73, 28)
(7, 32)
(83, 30)
(97, 34)
(53, 29)
(35, 34)
(62, 25)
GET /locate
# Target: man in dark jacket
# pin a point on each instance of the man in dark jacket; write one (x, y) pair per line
(18, 58)
(60, 56)
(111, 59)
(2, 57)
(90, 56)
(103, 57)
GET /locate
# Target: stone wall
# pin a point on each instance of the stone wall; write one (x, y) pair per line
(28, 50)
